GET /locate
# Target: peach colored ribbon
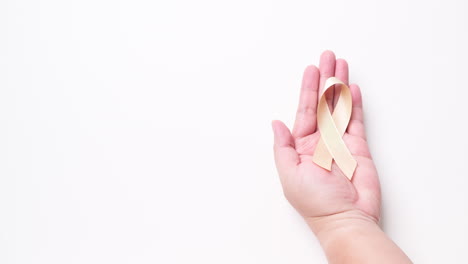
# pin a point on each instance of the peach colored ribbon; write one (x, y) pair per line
(332, 128)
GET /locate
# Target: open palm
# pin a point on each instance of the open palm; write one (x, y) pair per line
(312, 190)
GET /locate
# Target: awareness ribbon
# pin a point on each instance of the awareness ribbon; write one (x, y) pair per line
(332, 128)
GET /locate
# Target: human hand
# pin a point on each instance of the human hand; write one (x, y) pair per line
(322, 196)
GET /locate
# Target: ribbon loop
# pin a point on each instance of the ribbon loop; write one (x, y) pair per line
(332, 128)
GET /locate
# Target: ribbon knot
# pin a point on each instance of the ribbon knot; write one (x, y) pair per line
(332, 128)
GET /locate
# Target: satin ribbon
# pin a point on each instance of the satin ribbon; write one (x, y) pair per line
(332, 128)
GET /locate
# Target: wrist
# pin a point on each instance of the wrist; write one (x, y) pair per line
(354, 237)
(341, 225)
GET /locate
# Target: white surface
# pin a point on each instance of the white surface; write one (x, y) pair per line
(139, 131)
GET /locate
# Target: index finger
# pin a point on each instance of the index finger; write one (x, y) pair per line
(306, 115)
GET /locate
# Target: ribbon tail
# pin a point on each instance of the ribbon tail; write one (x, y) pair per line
(322, 156)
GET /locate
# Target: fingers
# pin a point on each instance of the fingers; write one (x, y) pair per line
(356, 124)
(286, 157)
(305, 123)
(342, 73)
(327, 69)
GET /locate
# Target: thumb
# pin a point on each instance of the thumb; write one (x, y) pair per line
(286, 157)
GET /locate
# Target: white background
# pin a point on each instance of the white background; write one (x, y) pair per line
(139, 131)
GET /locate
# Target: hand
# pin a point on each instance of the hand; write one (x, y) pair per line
(317, 194)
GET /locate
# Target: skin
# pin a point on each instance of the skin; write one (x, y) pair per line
(343, 214)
